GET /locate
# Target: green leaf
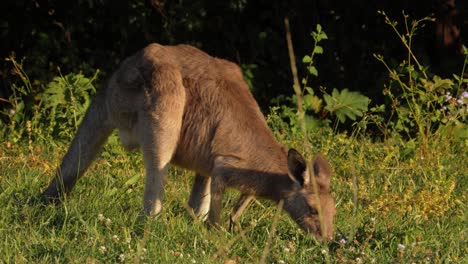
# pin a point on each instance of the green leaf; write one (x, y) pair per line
(319, 28)
(313, 70)
(312, 102)
(309, 90)
(306, 59)
(318, 50)
(346, 104)
(323, 35)
(442, 84)
(313, 124)
(318, 35)
(132, 180)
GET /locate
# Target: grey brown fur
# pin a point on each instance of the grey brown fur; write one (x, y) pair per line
(184, 107)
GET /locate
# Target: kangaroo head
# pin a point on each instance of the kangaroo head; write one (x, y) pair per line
(303, 201)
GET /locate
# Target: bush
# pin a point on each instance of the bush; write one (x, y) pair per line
(51, 115)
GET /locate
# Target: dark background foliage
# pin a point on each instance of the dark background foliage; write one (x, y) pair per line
(85, 35)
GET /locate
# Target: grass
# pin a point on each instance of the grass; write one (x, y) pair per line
(391, 208)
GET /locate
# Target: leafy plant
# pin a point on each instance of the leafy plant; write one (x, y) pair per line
(14, 117)
(53, 113)
(421, 103)
(345, 104)
(65, 101)
(318, 35)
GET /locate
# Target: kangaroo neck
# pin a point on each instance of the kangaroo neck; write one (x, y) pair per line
(260, 170)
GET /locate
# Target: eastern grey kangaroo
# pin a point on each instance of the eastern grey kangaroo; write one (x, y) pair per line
(182, 106)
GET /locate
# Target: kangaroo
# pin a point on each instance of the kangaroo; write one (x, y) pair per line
(184, 107)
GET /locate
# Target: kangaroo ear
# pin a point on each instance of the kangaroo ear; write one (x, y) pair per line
(322, 172)
(297, 167)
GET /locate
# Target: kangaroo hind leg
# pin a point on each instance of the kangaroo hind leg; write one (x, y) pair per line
(158, 128)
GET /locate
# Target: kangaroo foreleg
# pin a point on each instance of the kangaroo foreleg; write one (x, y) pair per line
(200, 197)
(217, 190)
(92, 134)
(243, 202)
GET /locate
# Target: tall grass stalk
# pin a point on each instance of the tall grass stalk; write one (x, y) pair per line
(301, 117)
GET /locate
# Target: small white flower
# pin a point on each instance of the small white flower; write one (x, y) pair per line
(122, 257)
(323, 251)
(12, 111)
(342, 241)
(401, 247)
(115, 238)
(281, 261)
(102, 249)
(286, 249)
(448, 97)
(372, 219)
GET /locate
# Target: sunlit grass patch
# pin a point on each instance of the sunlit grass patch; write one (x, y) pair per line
(390, 209)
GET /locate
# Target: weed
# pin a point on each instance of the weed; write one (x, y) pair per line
(53, 114)
(422, 103)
